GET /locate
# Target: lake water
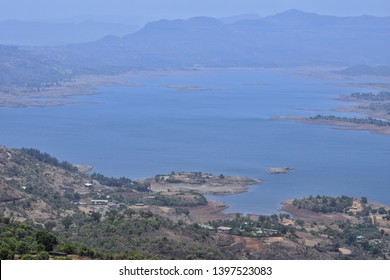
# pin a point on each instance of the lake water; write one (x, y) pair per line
(225, 127)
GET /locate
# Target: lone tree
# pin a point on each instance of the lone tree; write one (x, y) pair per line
(96, 216)
(48, 240)
(67, 222)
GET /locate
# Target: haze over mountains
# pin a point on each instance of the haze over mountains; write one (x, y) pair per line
(287, 39)
(16, 32)
(292, 38)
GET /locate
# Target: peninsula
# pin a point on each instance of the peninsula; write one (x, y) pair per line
(204, 183)
(375, 107)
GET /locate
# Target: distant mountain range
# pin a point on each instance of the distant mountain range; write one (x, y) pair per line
(234, 19)
(289, 39)
(15, 32)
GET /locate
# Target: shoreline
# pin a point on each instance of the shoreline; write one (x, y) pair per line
(62, 94)
(339, 125)
(85, 85)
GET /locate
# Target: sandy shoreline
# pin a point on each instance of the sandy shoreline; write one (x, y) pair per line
(340, 125)
(61, 94)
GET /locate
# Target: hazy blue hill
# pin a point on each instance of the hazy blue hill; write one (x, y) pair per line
(15, 32)
(287, 39)
(28, 68)
(201, 40)
(295, 16)
(234, 19)
(163, 44)
(382, 70)
(292, 38)
(298, 38)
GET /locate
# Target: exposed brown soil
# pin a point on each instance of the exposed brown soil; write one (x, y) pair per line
(309, 216)
(212, 211)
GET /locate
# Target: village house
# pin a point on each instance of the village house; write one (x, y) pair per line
(113, 205)
(226, 230)
(66, 189)
(99, 202)
(270, 231)
(206, 227)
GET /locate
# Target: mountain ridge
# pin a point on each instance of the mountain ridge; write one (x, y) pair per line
(289, 39)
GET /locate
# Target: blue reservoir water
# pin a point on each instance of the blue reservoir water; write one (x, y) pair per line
(225, 127)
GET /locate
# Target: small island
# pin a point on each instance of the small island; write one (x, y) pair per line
(204, 183)
(279, 170)
(186, 87)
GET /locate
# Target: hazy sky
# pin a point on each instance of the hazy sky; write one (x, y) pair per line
(145, 10)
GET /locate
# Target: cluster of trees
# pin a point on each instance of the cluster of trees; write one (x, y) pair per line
(368, 210)
(324, 204)
(190, 199)
(24, 240)
(355, 120)
(46, 158)
(378, 106)
(382, 211)
(263, 226)
(380, 100)
(369, 96)
(365, 236)
(131, 234)
(120, 182)
(31, 242)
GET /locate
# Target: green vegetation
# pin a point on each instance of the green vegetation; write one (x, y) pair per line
(32, 242)
(378, 106)
(46, 158)
(120, 182)
(369, 96)
(261, 227)
(60, 221)
(24, 240)
(324, 204)
(380, 101)
(361, 232)
(181, 199)
(354, 120)
(143, 234)
(120, 235)
(364, 239)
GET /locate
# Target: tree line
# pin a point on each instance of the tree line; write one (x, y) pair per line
(120, 182)
(324, 204)
(369, 96)
(354, 120)
(46, 158)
